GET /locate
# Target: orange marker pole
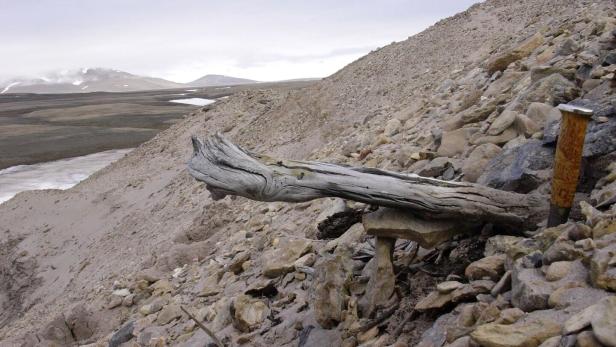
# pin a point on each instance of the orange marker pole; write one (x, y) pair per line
(568, 159)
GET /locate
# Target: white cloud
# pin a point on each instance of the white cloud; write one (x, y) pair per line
(184, 39)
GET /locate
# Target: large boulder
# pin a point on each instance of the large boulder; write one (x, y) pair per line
(501, 61)
(478, 159)
(520, 168)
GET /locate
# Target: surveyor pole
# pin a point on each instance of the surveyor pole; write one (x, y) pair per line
(568, 160)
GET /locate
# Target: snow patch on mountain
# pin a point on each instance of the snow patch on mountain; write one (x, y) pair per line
(6, 89)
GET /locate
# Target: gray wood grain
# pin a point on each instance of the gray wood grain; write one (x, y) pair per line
(228, 169)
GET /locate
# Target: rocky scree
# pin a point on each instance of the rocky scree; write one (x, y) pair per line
(258, 273)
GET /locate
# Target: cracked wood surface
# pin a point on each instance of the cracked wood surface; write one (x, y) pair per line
(228, 169)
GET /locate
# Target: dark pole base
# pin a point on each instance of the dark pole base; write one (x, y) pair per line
(558, 215)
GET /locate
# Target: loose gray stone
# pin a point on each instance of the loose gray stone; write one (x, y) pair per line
(478, 160)
(604, 321)
(502, 122)
(518, 169)
(124, 334)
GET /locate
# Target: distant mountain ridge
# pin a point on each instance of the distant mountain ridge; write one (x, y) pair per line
(106, 80)
(86, 80)
(219, 80)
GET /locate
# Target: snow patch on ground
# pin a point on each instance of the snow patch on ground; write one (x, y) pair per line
(58, 174)
(194, 101)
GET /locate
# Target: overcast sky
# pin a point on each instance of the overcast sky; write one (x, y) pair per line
(182, 40)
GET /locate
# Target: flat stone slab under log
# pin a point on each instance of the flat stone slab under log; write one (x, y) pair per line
(396, 223)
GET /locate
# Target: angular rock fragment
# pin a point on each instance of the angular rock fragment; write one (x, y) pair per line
(280, 260)
(330, 289)
(524, 333)
(604, 321)
(434, 301)
(603, 268)
(168, 313)
(448, 286)
(124, 334)
(502, 122)
(500, 244)
(518, 169)
(587, 339)
(455, 141)
(500, 62)
(491, 267)
(580, 320)
(248, 313)
(382, 281)
(477, 161)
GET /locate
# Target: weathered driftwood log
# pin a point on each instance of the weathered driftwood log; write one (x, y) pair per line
(228, 169)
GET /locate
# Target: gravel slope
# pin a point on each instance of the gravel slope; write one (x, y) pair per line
(64, 248)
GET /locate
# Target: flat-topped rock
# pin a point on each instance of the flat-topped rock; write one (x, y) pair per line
(527, 333)
(389, 222)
